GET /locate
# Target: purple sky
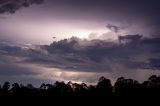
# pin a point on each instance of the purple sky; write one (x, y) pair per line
(24, 24)
(63, 19)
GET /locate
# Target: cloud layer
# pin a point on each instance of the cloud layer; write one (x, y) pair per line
(129, 56)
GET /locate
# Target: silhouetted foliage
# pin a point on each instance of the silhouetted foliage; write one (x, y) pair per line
(126, 87)
(122, 88)
(104, 87)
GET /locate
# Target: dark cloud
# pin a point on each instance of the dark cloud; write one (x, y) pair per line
(131, 54)
(11, 6)
(114, 28)
(11, 69)
(76, 55)
(91, 56)
(94, 55)
(98, 55)
(10, 61)
(129, 38)
(153, 63)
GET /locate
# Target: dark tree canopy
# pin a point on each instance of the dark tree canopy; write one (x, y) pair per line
(122, 88)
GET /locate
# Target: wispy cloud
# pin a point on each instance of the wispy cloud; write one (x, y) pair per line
(114, 28)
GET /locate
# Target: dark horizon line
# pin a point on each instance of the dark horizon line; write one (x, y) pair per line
(122, 87)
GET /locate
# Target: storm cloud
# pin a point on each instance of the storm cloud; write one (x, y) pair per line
(113, 28)
(127, 54)
(11, 6)
(90, 55)
(101, 56)
(87, 56)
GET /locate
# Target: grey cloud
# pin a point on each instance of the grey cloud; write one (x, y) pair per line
(73, 55)
(10, 65)
(153, 63)
(13, 69)
(114, 28)
(11, 6)
(95, 55)
(130, 38)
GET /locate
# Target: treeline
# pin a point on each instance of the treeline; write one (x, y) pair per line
(122, 87)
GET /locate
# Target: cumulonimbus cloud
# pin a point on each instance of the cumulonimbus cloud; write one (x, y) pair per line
(90, 56)
(94, 55)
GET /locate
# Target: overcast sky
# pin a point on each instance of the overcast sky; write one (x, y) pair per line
(24, 23)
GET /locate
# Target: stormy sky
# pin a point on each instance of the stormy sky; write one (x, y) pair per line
(78, 40)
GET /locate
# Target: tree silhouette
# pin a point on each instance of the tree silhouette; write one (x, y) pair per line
(104, 87)
(152, 86)
(126, 87)
(122, 88)
(6, 86)
(15, 89)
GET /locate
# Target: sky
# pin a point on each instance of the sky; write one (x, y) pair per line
(78, 40)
